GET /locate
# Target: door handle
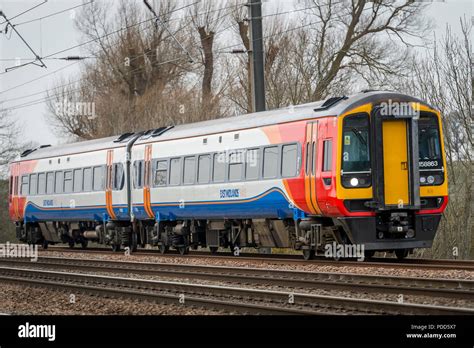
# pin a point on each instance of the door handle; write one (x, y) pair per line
(404, 165)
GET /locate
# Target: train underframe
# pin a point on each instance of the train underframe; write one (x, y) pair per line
(392, 231)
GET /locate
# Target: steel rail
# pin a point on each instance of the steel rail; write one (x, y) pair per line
(467, 265)
(451, 288)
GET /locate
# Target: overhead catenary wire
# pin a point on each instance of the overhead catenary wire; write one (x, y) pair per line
(96, 39)
(26, 11)
(131, 58)
(53, 96)
(38, 78)
(39, 101)
(83, 78)
(53, 14)
(38, 58)
(124, 28)
(140, 55)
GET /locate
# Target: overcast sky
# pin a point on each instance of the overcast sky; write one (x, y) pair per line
(55, 33)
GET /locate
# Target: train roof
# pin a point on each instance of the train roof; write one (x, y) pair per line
(330, 107)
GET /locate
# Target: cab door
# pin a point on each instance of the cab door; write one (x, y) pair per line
(311, 160)
(395, 162)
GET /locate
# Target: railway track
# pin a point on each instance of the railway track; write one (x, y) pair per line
(228, 298)
(465, 265)
(435, 287)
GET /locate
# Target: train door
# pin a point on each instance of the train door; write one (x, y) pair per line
(147, 182)
(311, 149)
(109, 184)
(395, 162)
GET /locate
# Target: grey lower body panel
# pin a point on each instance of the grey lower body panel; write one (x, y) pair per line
(363, 230)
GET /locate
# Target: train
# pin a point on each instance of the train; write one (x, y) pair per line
(366, 169)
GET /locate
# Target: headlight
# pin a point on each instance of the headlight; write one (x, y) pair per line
(432, 179)
(356, 180)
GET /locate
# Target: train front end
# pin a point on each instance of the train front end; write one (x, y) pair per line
(392, 182)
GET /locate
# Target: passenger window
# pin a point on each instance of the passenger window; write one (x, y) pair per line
(24, 185)
(41, 183)
(50, 183)
(189, 170)
(175, 170)
(235, 167)
(98, 181)
(252, 164)
(59, 182)
(11, 185)
(68, 181)
(327, 155)
(119, 178)
(218, 174)
(204, 169)
(33, 184)
(289, 157)
(77, 180)
(270, 162)
(161, 173)
(139, 174)
(87, 179)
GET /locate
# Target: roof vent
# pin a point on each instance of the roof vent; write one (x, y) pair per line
(330, 103)
(123, 137)
(27, 152)
(159, 131)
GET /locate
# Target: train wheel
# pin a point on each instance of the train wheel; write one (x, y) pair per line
(71, 244)
(401, 253)
(84, 243)
(308, 254)
(115, 247)
(213, 250)
(45, 244)
(163, 248)
(134, 242)
(183, 250)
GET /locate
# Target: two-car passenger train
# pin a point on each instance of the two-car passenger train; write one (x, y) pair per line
(366, 169)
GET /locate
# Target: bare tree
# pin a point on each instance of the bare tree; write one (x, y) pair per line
(207, 17)
(9, 146)
(137, 60)
(331, 47)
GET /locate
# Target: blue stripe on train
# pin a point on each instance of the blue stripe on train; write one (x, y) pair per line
(270, 204)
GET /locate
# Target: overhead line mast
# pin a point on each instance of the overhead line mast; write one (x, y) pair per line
(257, 69)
